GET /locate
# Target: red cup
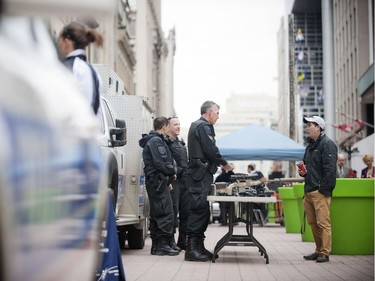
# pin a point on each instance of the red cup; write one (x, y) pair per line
(301, 167)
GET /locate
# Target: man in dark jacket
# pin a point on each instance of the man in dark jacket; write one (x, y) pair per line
(180, 192)
(159, 171)
(320, 179)
(204, 158)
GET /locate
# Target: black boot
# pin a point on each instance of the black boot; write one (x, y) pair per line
(163, 248)
(204, 251)
(173, 245)
(192, 251)
(154, 244)
(181, 242)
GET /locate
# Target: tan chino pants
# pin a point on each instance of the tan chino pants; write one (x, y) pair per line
(318, 216)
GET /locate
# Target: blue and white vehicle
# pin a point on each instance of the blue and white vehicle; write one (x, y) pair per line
(132, 208)
(112, 139)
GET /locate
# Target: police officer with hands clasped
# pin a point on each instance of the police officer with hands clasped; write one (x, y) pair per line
(204, 158)
(160, 171)
(180, 192)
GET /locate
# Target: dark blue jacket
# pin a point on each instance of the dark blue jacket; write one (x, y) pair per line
(156, 155)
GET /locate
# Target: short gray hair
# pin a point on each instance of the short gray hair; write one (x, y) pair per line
(207, 105)
(342, 155)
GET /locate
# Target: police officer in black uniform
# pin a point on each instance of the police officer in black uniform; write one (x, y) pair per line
(180, 192)
(204, 158)
(159, 171)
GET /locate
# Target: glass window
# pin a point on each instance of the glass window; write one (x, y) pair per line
(107, 112)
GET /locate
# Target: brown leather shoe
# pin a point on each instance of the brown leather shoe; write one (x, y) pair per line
(322, 258)
(311, 257)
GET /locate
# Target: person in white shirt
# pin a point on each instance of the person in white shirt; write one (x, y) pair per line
(72, 41)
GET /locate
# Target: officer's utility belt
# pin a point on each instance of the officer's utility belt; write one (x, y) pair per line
(181, 172)
(152, 176)
(156, 176)
(199, 167)
(162, 181)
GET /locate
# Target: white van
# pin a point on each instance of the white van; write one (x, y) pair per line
(112, 138)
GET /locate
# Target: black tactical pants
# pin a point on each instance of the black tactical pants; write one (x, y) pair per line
(199, 207)
(161, 211)
(181, 203)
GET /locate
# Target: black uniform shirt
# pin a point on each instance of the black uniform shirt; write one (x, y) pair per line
(179, 153)
(202, 136)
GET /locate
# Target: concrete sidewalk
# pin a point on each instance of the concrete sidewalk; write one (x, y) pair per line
(285, 251)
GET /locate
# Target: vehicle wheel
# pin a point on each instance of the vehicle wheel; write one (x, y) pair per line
(121, 232)
(136, 237)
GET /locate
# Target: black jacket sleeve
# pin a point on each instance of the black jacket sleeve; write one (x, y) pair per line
(206, 134)
(329, 160)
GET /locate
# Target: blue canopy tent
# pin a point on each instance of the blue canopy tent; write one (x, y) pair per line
(255, 142)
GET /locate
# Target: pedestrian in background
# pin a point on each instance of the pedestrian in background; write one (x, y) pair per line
(342, 170)
(180, 192)
(275, 174)
(204, 158)
(320, 160)
(72, 41)
(258, 175)
(369, 171)
(159, 171)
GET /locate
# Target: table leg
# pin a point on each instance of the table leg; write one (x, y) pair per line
(227, 237)
(249, 229)
(248, 239)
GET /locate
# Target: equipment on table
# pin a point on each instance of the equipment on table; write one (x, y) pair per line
(242, 185)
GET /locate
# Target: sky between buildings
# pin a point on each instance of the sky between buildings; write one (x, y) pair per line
(222, 47)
